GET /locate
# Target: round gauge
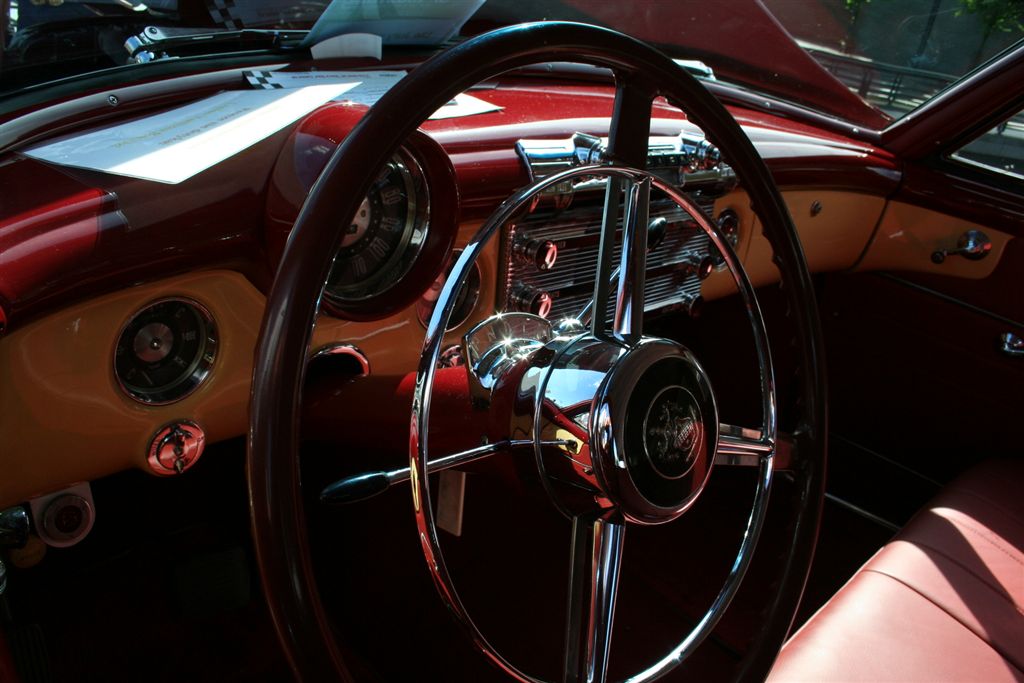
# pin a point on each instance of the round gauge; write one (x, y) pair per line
(385, 235)
(165, 351)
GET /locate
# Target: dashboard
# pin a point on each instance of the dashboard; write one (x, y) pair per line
(132, 308)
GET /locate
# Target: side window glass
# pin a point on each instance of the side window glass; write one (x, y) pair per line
(1000, 149)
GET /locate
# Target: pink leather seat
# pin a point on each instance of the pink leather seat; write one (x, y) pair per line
(944, 601)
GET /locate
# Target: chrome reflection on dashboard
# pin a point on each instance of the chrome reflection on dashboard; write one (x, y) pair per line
(165, 351)
(385, 236)
(549, 256)
(466, 299)
(498, 343)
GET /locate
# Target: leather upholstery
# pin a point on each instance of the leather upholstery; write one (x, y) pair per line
(944, 601)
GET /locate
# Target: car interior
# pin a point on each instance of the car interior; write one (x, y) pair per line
(481, 340)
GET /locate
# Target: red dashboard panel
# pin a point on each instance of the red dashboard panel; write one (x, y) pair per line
(137, 230)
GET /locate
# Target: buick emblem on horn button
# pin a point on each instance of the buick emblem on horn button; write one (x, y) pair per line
(672, 433)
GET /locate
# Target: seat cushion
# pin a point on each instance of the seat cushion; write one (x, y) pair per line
(944, 601)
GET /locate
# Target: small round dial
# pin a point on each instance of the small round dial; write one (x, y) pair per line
(165, 351)
(384, 237)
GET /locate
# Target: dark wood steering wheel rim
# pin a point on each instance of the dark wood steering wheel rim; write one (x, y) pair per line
(278, 518)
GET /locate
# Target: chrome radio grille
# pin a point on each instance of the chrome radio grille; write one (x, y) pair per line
(671, 278)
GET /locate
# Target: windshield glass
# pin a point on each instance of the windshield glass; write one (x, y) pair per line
(865, 61)
(896, 54)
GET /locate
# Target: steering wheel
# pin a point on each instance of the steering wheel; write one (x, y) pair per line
(650, 435)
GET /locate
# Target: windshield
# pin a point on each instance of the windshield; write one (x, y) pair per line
(897, 54)
(864, 61)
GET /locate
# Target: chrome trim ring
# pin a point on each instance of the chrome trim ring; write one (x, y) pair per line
(347, 350)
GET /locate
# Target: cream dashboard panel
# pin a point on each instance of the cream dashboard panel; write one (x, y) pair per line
(64, 419)
(834, 227)
(908, 236)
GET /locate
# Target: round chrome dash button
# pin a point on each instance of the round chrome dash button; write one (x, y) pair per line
(66, 520)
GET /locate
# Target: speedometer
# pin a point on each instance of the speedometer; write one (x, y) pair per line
(400, 236)
(382, 240)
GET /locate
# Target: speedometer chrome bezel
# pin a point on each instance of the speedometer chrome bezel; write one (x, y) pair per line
(192, 376)
(407, 251)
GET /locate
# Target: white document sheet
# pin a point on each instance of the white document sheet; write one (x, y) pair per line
(372, 86)
(175, 145)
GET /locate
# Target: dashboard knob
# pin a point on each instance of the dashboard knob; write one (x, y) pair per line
(694, 304)
(701, 266)
(541, 253)
(729, 227)
(656, 231)
(175, 448)
(531, 300)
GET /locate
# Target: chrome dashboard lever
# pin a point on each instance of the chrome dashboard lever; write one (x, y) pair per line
(369, 484)
(14, 531)
(1011, 345)
(14, 527)
(973, 245)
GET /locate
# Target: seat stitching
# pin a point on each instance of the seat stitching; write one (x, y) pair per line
(1008, 659)
(997, 589)
(985, 535)
(1005, 510)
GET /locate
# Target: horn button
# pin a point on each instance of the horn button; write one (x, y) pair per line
(640, 423)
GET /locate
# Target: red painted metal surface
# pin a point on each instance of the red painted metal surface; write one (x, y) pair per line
(482, 147)
(116, 231)
(39, 240)
(72, 234)
(371, 414)
(951, 190)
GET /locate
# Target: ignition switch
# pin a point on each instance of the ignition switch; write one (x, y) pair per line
(175, 448)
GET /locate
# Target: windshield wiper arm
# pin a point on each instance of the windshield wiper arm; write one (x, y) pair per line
(165, 42)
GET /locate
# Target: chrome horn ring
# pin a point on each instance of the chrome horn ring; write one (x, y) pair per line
(599, 455)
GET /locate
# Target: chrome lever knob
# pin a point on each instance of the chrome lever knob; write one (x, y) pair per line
(14, 527)
(973, 245)
(1011, 345)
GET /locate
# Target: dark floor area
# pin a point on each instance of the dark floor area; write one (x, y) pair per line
(163, 589)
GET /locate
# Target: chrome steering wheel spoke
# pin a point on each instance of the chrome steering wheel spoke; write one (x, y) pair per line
(629, 198)
(629, 299)
(597, 543)
(743, 447)
(627, 145)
